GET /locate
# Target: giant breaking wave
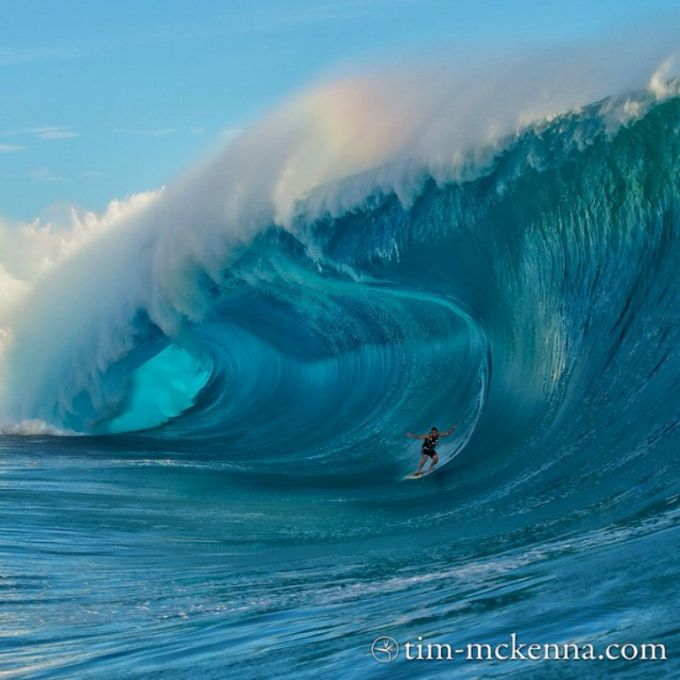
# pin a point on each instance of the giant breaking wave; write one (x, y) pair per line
(381, 262)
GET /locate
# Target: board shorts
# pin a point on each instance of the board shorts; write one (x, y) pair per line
(429, 452)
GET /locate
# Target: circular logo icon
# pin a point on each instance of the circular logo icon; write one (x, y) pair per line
(385, 649)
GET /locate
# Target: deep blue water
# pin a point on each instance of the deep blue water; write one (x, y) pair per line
(240, 510)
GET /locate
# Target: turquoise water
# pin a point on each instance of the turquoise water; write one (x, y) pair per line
(238, 508)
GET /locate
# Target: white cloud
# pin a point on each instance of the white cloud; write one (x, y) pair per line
(11, 148)
(44, 175)
(52, 132)
(43, 132)
(28, 249)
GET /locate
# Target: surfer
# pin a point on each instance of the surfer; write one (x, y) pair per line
(429, 447)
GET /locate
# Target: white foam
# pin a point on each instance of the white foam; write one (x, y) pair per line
(33, 427)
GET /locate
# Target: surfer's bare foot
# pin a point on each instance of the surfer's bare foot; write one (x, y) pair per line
(417, 473)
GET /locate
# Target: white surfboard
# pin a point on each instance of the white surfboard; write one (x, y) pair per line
(413, 475)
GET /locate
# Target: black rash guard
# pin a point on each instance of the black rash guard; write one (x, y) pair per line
(429, 444)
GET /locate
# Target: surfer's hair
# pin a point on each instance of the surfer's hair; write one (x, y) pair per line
(434, 429)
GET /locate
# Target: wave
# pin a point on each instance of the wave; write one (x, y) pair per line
(521, 283)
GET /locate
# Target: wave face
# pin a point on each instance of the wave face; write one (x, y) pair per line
(534, 302)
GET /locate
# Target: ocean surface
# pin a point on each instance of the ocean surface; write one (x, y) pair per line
(216, 489)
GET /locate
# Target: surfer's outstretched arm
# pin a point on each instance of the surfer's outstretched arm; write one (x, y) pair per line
(451, 430)
(415, 436)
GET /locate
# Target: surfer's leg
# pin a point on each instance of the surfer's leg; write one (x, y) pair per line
(423, 458)
(435, 460)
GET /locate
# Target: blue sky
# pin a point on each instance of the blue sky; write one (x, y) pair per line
(99, 100)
